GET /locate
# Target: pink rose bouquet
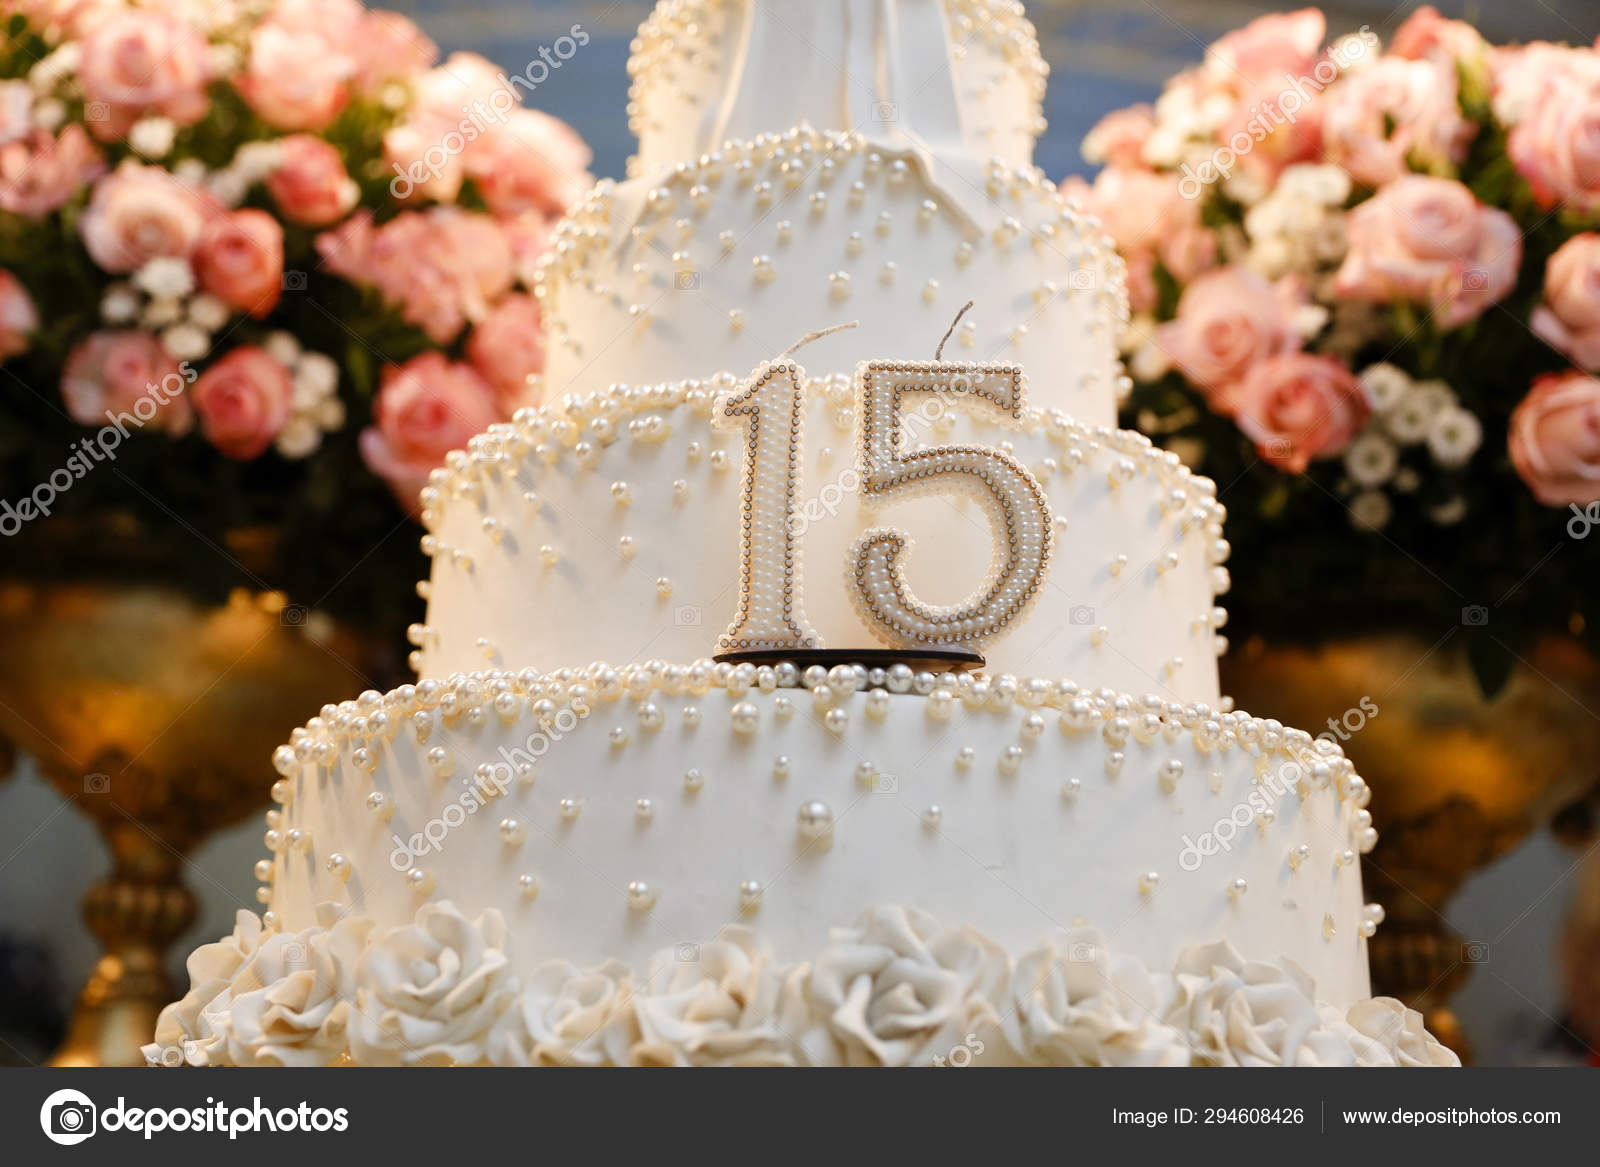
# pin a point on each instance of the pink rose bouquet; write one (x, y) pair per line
(271, 259)
(1364, 284)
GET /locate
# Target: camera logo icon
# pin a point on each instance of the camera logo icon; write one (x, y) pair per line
(1474, 952)
(292, 615)
(885, 111)
(686, 616)
(1474, 615)
(1082, 279)
(67, 1117)
(1081, 614)
(294, 281)
(686, 281)
(1474, 279)
(686, 953)
(96, 111)
(97, 783)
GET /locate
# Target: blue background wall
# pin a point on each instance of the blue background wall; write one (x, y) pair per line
(1103, 53)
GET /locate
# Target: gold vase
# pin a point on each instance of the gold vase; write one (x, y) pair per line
(1457, 780)
(155, 714)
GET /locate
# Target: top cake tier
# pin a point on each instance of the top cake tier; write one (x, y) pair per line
(947, 74)
(724, 261)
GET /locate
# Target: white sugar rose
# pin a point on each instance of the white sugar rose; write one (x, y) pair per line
(1248, 1013)
(1390, 1034)
(566, 1016)
(897, 989)
(428, 992)
(729, 1007)
(185, 1031)
(1073, 1004)
(289, 1005)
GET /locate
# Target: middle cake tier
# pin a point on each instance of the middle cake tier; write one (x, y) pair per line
(608, 527)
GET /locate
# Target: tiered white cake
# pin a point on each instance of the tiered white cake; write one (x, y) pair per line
(528, 859)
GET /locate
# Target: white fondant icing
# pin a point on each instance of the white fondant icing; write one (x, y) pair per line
(1108, 491)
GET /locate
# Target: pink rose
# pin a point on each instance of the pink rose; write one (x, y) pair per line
(425, 408)
(340, 22)
(1377, 119)
(1187, 251)
(441, 268)
(1569, 319)
(1298, 407)
(1429, 241)
(1140, 280)
(41, 173)
(114, 373)
(390, 48)
(1118, 138)
(1556, 145)
(1229, 320)
(243, 401)
(294, 79)
(240, 261)
(443, 99)
(528, 235)
(1273, 126)
(1136, 208)
(1554, 439)
(18, 317)
(1426, 35)
(138, 213)
(507, 346)
(532, 162)
(144, 61)
(1267, 48)
(310, 185)
(16, 111)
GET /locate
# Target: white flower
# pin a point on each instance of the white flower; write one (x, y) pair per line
(1247, 1013)
(16, 103)
(299, 438)
(208, 312)
(48, 114)
(283, 347)
(160, 313)
(317, 373)
(1321, 183)
(1331, 239)
(190, 172)
(1449, 512)
(1073, 1004)
(732, 1006)
(56, 67)
(429, 992)
(254, 161)
(186, 342)
(1394, 1035)
(119, 305)
(1309, 319)
(1149, 361)
(1413, 418)
(1270, 257)
(1384, 384)
(228, 187)
(185, 1031)
(223, 58)
(152, 137)
(329, 414)
(1370, 510)
(1245, 187)
(568, 1017)
(1454, 436)
(898, 989)
(165, 278)
(289, 1004)
(1371, 459)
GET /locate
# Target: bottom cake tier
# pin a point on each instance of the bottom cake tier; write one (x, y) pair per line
(712, 864)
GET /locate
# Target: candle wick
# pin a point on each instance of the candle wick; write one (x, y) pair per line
(818, 335)
(938, 353)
